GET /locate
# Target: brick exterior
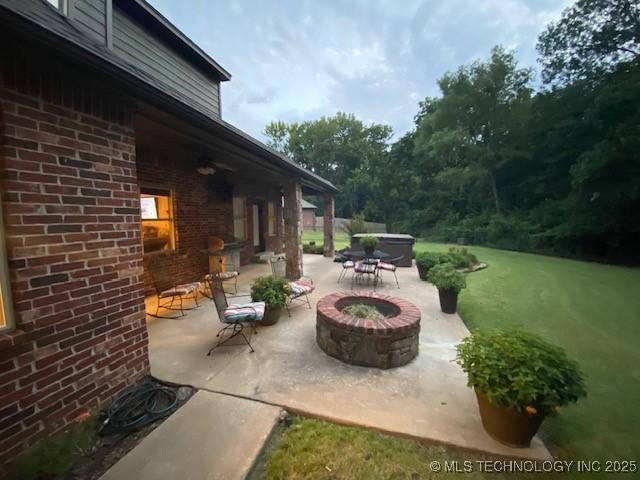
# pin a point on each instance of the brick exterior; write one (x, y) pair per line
(200, 212)
(71, 218)
(309, 219)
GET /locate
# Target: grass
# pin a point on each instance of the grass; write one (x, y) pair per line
(593, 311)
(316, 450)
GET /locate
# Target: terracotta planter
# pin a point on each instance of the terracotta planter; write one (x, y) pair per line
(369, 250)
(448, 300)
(422, 271)
(271, 316)
(507, 425)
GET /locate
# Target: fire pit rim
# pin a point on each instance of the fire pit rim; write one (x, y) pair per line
(408, 316)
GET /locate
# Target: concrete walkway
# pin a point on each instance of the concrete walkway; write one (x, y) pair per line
(212, 437)
(426, 399)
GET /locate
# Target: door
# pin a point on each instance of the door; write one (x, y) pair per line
(258, 228)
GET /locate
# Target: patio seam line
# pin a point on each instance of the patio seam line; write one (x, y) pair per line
(340, 421)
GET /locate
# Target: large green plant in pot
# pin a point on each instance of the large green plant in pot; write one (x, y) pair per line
(273, 292)
(369, 244)
(449, 283)
(425, 261)
(519, 379)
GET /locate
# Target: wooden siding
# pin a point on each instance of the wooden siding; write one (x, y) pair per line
(139, 47)
(90, 17)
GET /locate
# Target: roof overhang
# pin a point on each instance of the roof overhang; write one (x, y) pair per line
(134, 85)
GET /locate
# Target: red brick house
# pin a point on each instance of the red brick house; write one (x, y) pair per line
(113, 152)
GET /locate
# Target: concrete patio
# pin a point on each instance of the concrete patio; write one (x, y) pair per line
(427, 399)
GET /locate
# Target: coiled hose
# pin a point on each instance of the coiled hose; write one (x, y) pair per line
(141, 405)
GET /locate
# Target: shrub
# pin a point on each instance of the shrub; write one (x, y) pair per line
(312, 248)
(461, 258)
(520, 370)
(427, 259)
(362, 310)
(356, 225)
(271, 290)
(369, 241)
(446, 277)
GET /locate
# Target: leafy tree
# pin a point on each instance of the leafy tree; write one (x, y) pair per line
(591, 39)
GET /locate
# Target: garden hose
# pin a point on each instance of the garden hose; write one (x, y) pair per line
(141, 405)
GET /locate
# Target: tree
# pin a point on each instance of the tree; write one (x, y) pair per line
(591, 38)
(341, 148)
(479, 119)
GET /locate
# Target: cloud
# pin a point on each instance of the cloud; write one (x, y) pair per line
(296, 60)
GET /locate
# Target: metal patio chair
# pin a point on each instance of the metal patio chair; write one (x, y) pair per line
(390, 265)
(226, 272)
(299, 289)
(346, 266)
(166, 289)
(365, 267)
(235, 316)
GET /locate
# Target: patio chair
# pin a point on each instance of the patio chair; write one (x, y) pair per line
(298, 289)
(390, 265)
(229, 275)
(362, 268)
(167, 289)
(235, 316)
(346, 266)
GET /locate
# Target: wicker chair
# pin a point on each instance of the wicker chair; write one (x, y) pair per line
(235, 316)
(166, 289)
(298, 289)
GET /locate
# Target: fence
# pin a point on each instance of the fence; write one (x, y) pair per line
(339, 224)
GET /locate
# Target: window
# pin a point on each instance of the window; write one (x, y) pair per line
(6, 313)
(156, 212)
(271, 215)
(239, 218)
(60, 5)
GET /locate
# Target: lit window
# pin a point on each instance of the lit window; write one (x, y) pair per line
(156, 212)
(271, 214)
(6, 316)
(239, 218)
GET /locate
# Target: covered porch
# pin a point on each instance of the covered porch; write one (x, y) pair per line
(426, 399)
(198, 184)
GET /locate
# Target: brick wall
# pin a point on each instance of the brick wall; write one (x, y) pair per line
(200, 212)
(71, 219)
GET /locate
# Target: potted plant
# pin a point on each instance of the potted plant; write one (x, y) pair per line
(273, 292)
(424, 261)
(369, 244)
(519, 379)
(449, 283)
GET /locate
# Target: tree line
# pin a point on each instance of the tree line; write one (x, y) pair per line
(495, 161)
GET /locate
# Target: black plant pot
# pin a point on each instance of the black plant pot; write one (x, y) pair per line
(422, 271)
(369, 250)
(448, 300)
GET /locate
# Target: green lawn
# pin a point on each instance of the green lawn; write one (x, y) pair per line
(316, 450)
(590, 309)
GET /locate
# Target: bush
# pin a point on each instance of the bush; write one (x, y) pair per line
(271, 290)
(461, 258)
(369, 241)
(520, 370)
(356, 225)
(312, 248)
(446, 277)
(427, 259)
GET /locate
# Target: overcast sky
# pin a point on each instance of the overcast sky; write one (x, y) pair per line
(297, 60)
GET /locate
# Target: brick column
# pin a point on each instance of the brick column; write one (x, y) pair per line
(293, 228)
(329, 214)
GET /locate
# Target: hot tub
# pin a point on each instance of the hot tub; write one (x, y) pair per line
(395, 244)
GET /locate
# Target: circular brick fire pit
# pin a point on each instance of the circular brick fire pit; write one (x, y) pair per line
(387, 342)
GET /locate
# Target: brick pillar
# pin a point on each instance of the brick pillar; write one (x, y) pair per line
(293, 229)
(329, 214)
